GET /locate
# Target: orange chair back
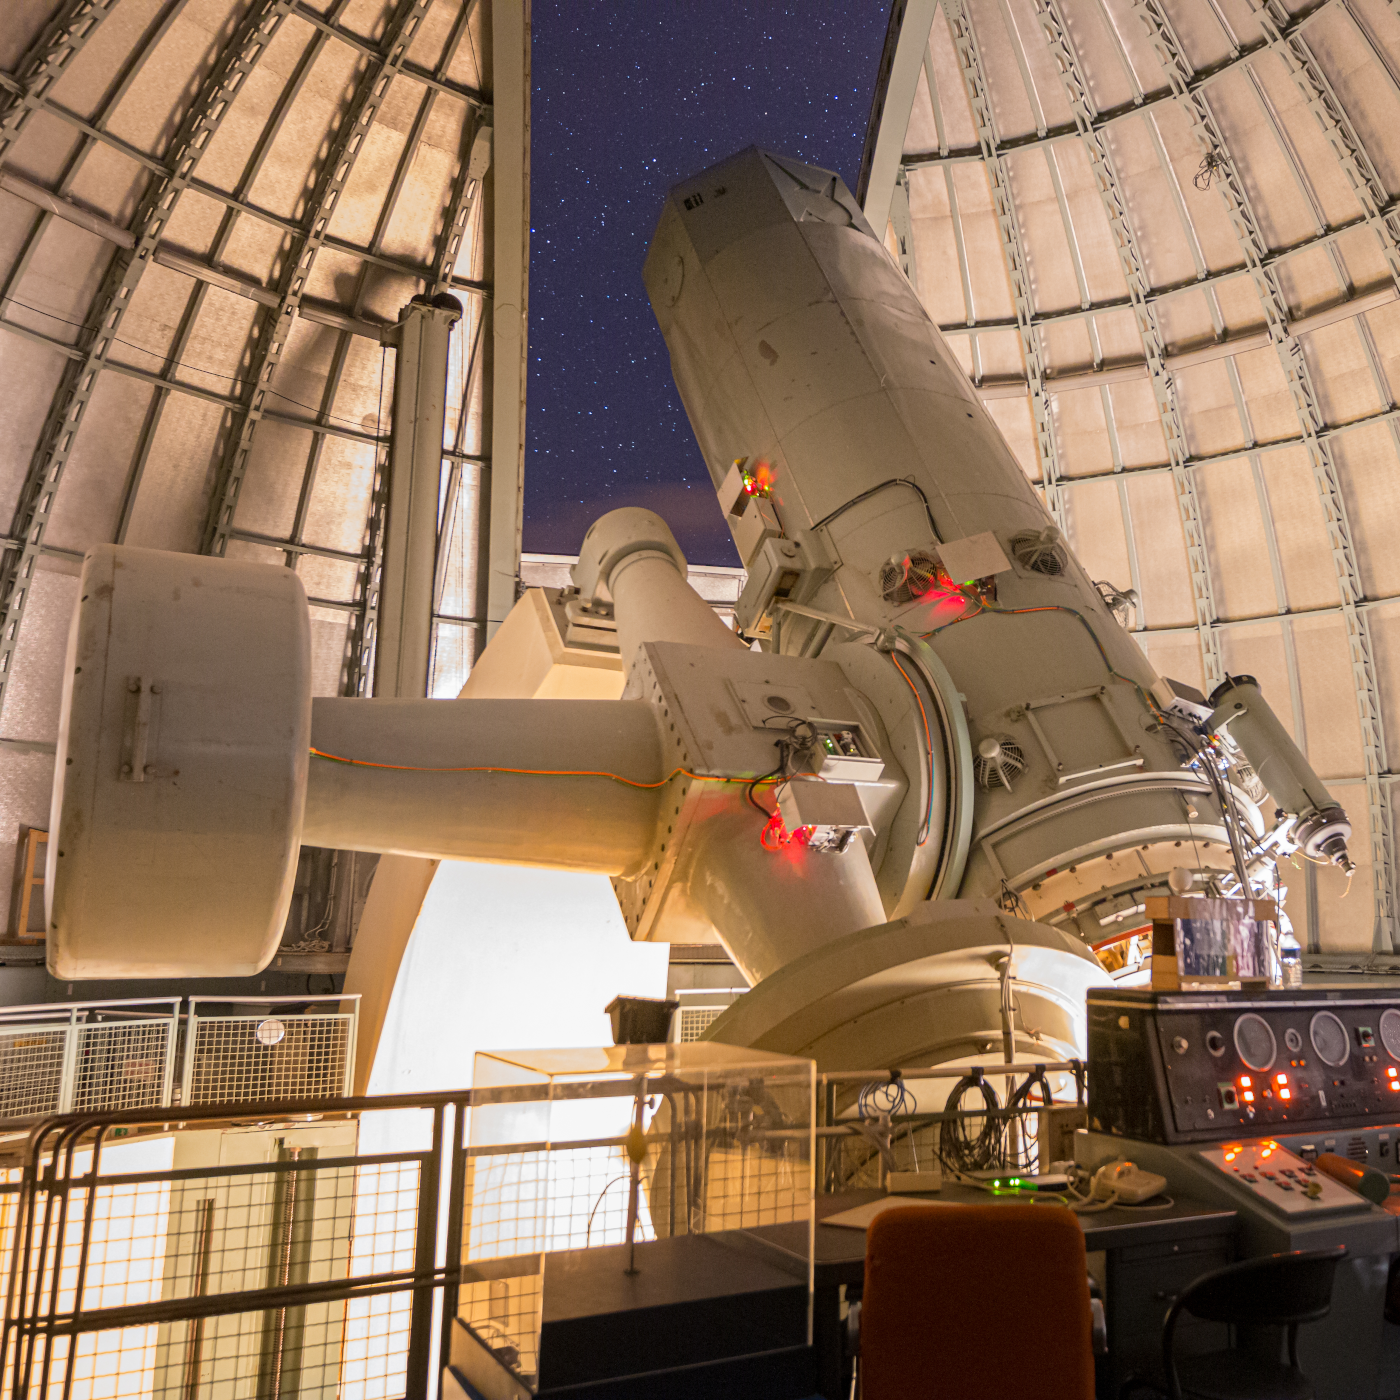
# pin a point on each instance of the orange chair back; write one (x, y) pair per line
(976, 1303)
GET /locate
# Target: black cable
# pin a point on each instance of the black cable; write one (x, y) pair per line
(866, 495)
(1206, 759)
(954, 1146)
(786, 746)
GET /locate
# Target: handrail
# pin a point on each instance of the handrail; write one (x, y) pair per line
(65, 1008)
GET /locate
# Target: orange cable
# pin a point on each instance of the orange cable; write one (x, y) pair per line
(928, 740)
(539, 772)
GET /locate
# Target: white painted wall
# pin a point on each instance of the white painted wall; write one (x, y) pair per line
(507, 958)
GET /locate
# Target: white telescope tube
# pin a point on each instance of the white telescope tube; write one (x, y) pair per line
(632, 553)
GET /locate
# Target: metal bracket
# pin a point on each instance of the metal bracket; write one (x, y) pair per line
(136, 736)
(1093, 692)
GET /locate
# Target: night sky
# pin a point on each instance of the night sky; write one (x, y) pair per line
(629, 97)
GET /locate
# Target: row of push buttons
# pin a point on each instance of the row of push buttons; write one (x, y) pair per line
(1294, 1178)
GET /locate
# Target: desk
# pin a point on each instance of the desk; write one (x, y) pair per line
(1148, 1257)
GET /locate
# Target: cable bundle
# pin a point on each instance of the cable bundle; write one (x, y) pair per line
(960, 1152)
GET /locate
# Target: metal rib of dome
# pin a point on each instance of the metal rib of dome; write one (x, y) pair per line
(1160, 235)
(211, 212)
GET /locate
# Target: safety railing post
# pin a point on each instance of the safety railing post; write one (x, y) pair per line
(68, 1074)
(191, 1036)
(425, 1247)
(167, 1079)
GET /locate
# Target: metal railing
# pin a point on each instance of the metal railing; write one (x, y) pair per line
(308, 1270)
(87, 1056)
(245, 1059)
(142, 1258)
(78, 1056)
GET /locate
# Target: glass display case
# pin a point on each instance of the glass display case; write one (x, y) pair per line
(633, 1209)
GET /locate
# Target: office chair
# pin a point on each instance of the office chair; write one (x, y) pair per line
(1279, 1290)
(972, 1302)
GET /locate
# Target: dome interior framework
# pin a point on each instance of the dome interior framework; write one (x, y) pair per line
(211, 215)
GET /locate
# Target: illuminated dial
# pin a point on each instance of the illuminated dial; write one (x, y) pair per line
(1329, 1039)
(1254, 1039)
(1390, 1032)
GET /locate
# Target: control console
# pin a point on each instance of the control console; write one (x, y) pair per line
(1285, 1183)
(1179, 1067)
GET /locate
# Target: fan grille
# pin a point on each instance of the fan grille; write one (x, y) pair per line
(1040, 552)
(908, 576)
(1012, 764)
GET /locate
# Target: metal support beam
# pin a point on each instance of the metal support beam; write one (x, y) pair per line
(979, 98)
(1126, 111)
(333, 175)
(896, 84)
(404, 640)
(1154, 348)
(47, 60)
(1322, 101)
(904, 229)
(1227, 181)
(510, 30)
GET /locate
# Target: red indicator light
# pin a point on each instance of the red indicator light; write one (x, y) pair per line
(1245, 1081)
(1280, 1079)
(1391, 1071)
(1285, 1093)
(1395, 1086)
(1249, 1098)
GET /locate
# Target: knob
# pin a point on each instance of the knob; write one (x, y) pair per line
(1180, 1044)
(1215, 1042)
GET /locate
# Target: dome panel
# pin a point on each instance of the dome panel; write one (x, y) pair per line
(1137, 427)
(1348, 46)
(1038, 191)
(1237, 541)
(1206, 395)
(1013, 419)
(923, 123)
(1095, 529)
(1090, 234)
(1015, 112)
(1271, 409)
(1080, 435)
(1305, 555)
(946, 84)
(1348, 388)
(91, 512)
(1369, 472)
(991, 291)
(1328, 690)
(1175, 652)
(169, 504)
(1161, 550)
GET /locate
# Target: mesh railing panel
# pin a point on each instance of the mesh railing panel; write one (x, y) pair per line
(300, 1223)
(31, 1069)
(695, 1021)
(229, 1064)
(120, 1065)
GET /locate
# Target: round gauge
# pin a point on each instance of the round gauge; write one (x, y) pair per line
(1254, 1039)
(1294, 1040)
(1390, 1032)
(1329, 1039)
